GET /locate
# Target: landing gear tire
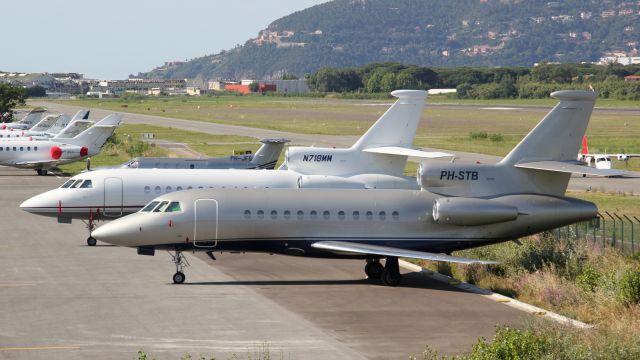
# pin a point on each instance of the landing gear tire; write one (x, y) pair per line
(391, 274)
(373, 269)
(178, 278)
(91, 241)
(41, 172)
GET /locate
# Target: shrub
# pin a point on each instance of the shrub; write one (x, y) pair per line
(629, 288)
(588, 279)
(512, 344)
(478, 135)
(496, 137)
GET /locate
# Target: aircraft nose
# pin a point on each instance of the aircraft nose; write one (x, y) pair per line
(121, 232)
(39, 205)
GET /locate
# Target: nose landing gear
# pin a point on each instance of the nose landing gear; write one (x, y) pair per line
(180, 262)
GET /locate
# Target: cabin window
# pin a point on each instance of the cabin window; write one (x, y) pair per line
(178, 188)
(313, 214)
(14, 148)
(174, 206)
(356, 215)
(189, 187)
(21, 148)
(147, 189)
(382, 215)
(341, 215)
(35, 148)
(158, 189)
(247, 214)
(326, 214)
(28, 148)
(87, 184)
(260, 214)
(168, 189)
(1, 148)
(395, 215)
(200, 187)
(67, 183)
(300, 214)
(286, 214)
(274, 214)
(150, 206)
(161, 207)
(369, 215)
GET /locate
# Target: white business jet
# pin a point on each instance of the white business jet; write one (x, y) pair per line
(376, 160)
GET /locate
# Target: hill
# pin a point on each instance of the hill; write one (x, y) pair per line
(347, 33)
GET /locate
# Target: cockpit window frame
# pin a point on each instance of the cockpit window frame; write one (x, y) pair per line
(161, 207)
(67, 183)
(76, 184)
(148, 208)
(87, 184)
(171, 203)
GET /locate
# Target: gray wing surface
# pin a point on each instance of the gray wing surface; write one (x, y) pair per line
(350, 247)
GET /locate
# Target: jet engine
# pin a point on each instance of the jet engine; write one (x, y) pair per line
(471, 211)
(65, 151)
(328, 181)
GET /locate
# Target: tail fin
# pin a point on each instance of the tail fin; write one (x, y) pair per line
(397, 126)
(585, 145)
(94, 137)
(46, 123)
(557, 137)
(32, 118)
(64, 121)
(268, 154)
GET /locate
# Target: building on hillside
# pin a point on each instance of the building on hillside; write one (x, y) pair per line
(632, 78)
(140, 86)
(243, 89)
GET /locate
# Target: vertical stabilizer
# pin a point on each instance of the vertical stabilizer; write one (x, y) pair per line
(94, 137)
(557, 137)
(267, 155)
(398, 125)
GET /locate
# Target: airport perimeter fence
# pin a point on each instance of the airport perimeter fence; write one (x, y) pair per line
(606, 229)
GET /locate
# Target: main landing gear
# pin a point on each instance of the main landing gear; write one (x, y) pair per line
(41, 172)
(389, 274)
(91, 241)
(181, 262)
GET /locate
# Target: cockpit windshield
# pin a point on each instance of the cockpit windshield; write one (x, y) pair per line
(150, 206)
(87, 184)
(67, 183)
(161, 207)
(75, 184)
(174, 206)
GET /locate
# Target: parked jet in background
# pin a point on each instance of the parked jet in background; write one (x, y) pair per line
(43, 155)
(27, 121)
(377, 160)
(49, 126)
(458, 207)
(265, 158)
(600, 161)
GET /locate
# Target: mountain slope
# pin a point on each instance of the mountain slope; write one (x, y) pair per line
(439, 33)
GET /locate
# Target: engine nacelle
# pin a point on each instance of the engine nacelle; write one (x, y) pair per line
(65, 151)
(328, 182)
(472, 211)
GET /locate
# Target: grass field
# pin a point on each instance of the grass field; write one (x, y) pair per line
(441, 128)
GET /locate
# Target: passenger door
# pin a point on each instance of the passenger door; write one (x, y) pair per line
(205, 231)
(112, 197)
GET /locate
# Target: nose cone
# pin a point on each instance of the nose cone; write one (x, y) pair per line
(122, 232)
(41, 204)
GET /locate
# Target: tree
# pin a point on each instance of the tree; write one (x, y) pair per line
(36, 91)
(287, 76)
(10, 97)
(254, 86)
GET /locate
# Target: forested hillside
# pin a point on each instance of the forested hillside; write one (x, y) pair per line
(348, 33)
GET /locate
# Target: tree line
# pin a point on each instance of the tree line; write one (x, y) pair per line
(481, 83)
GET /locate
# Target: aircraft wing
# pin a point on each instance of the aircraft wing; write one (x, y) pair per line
(569, 167)
(31, 163)
(397, 150)
(350, 247)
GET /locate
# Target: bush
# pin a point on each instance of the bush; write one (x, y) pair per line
(512, 344)
(588, 279)
(496, 137)
(629, 288)
(478, 135)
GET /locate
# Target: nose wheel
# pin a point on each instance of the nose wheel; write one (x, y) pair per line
(91, 241)
(181, 262)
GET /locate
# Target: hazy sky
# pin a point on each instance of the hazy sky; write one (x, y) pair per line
(110, 39)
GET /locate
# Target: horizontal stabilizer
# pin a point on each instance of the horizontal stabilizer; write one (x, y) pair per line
(350, 247)
(569, 167)
(402, 151)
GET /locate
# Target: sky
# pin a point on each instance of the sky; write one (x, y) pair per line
(110, 39)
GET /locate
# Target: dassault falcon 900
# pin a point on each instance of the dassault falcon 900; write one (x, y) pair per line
(376, 160)
(458, 207)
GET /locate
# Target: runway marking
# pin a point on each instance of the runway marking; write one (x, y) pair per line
(17, 285)
(40, 348)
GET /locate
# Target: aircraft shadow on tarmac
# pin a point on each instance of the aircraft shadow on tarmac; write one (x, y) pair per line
(409, 280)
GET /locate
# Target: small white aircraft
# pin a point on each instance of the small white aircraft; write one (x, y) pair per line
(26, 122)
(600, 161)
(376, 160)
(459, 206)
(43, 155)
(49, 126)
